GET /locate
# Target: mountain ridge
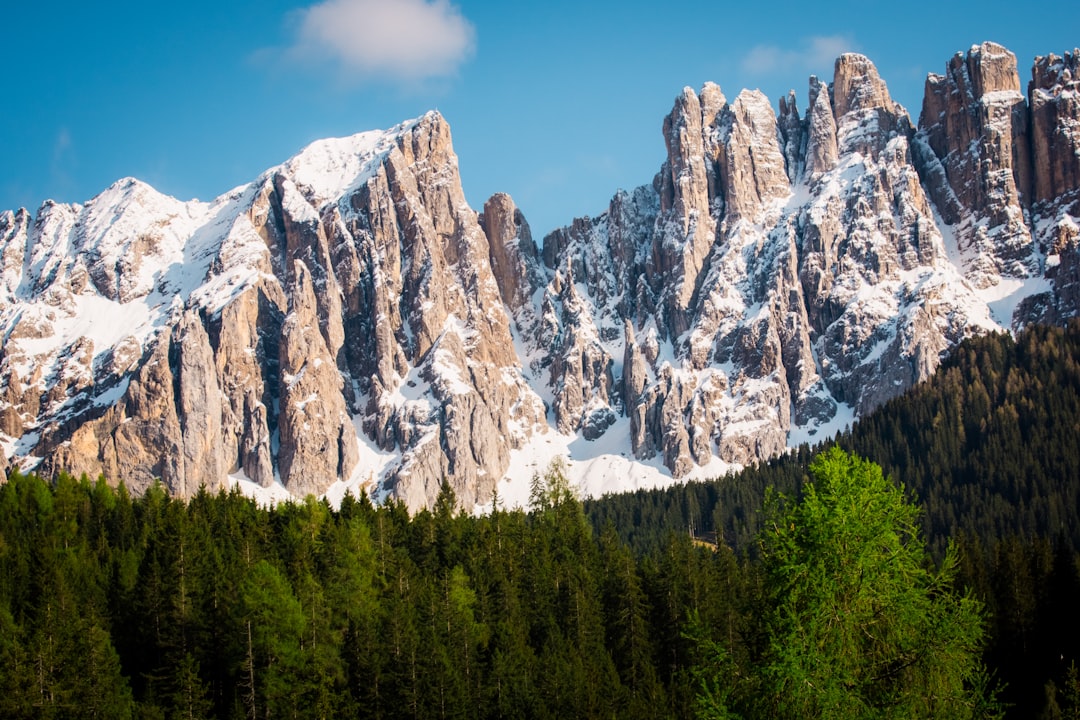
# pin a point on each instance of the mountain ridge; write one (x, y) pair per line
(347, 320)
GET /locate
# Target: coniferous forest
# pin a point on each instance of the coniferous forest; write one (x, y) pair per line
(812, 586)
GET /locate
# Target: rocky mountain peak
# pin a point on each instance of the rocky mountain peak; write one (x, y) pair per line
(1056, 74)
(515, 259)
(350, 282)
(975, 121)
(753, 166)
(1054, 97)
(857, 86)
(821, 149)
(712, 103)
(347, 321)
(991, 67)
(689, 183)
(831, 282)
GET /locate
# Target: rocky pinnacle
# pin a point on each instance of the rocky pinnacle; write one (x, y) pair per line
(348, 318)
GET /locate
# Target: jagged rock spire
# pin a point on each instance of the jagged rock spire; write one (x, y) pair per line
(347, 319)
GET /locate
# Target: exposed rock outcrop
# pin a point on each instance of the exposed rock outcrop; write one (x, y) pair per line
(829, 282)
(515, 259)
(318, 440)
(975, 121)
(248, 332)
(1054, 95)
(346, 318)
(1054, 98)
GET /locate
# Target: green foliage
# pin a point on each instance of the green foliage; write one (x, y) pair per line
(113, 606)
(857, 626)
(987, 446)
(273, 624)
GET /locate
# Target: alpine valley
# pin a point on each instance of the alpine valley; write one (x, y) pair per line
(346, 320)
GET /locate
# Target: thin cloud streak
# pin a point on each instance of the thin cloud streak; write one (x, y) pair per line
(62, 159)
(407, 40)
(817, 53)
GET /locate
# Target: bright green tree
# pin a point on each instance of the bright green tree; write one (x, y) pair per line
(858, 625)
(272, 627)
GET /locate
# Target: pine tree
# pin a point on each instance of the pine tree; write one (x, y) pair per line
(272, 625)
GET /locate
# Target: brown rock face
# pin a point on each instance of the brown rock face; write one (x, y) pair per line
(804, 300)
(138, 439)
(975, 121)
(738, 172)
(515, 260)
(1054, 97)
(821, 151)
(867, 119)
(348, 317)
(687, 178)
(352, 279)
(199, 408)
(318, 441)
(753, 169)
(440, 324)
(1054, 94)
(581, 367)
(857, 87)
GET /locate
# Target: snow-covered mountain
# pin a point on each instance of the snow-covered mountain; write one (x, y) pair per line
(347, 320)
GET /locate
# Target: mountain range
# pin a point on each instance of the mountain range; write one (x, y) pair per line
(346, 320)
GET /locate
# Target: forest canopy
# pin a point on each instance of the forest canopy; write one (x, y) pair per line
(702, 599)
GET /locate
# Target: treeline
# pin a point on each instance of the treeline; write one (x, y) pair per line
(633, 606)
(988, 447)
(150, 607)
(117, 607)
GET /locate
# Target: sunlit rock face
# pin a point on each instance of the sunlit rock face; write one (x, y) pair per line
(347, 318)
(792, 267)
(345, 297)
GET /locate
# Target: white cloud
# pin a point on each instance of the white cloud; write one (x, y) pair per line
(396, 39)
(816, 54)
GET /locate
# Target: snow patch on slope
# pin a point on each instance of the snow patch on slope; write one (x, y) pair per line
(594, 467)
(336, 167)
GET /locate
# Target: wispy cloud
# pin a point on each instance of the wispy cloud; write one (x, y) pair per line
(407, 40)
(62, 159)
(814, 54)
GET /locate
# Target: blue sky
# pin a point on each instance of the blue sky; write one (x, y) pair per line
(557, 103)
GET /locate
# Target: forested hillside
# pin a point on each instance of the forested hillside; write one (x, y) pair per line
(988, 447)
(113, 607)
(156, 607)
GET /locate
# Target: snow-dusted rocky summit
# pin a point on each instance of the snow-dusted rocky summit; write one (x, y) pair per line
(782, 271)
(347, 318)
(345, 293)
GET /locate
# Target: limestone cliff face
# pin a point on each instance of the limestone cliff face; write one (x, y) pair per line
(348, 318)
(849, 250)
(1054, 99)
(515, 259)
(345, 297)
(690, 229)
(975, 121)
